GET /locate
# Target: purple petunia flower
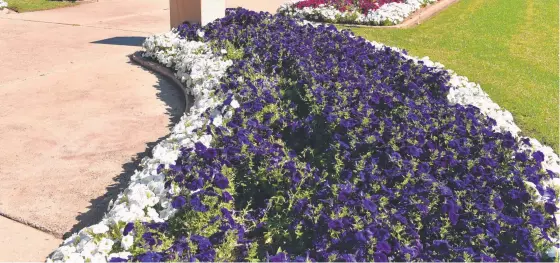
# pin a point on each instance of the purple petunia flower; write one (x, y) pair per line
(179, 202)
(129, 227)
(197, 204)
(150, 256)
(538, 156)
(280, 257)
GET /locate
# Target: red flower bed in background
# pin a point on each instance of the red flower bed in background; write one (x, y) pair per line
(343, 5)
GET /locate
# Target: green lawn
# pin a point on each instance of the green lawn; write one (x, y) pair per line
(510, 47)
(36, 5)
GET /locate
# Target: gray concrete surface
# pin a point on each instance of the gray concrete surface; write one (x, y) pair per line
(22, 243)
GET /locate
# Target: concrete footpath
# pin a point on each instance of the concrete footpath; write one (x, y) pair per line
(75, 116)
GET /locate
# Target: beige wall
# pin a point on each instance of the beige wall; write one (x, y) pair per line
(190, 10)
(257, 5)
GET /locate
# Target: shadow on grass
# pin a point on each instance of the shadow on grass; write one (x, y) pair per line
(175, 107)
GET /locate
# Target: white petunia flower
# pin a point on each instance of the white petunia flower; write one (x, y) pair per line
(234, 104)
(100, 228)
(200, 33)
(105, 245)
(74, 258)
(127, 241)
(88, 248)
(217, 121)
(98, 258)
(553, 252)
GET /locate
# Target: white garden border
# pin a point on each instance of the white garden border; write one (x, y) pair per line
(395, 13)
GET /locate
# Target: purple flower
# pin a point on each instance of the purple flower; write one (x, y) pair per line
(536, 218)
(335, 224)
(129, 227)
(197, 204)
(380, 257)
(441, 246)
(520, 156)
(149, 238)
(538, 156)
(179, 202)
(498, 203)
(118, 259)
(150, 257)
(280, 257)
(203, 243)
(550, 207)
(227, 196)
(383, 247)
(221, 181)
(369, 205)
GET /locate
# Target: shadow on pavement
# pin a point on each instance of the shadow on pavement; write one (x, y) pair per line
(175, 107)
(122, 41)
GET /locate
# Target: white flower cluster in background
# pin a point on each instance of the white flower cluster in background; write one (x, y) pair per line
(146, 199)
(392, 13)
(3, 4)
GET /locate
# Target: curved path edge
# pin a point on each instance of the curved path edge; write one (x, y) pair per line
(164, 71)
(30, 224)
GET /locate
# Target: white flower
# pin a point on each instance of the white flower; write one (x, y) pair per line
(105, 245)
(553, 252)
(228, 114)
(223, 51)
(200, 33)
(100, 228)
(63, 252)
(153, 215)
(206, 139)
(127, 241)
(75, 258)
(88, 248)
(98, 258)
(234, 104)
(217, 121)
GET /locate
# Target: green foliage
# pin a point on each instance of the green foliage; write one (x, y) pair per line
(37, 5)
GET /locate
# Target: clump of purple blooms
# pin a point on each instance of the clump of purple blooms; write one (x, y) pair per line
(341, 151)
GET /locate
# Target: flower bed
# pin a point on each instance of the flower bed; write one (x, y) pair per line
(365, 12)
(306, 143)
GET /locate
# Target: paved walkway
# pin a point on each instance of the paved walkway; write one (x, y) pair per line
(75, 115)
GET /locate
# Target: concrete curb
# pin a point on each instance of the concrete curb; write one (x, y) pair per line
(166, 72)
(31, 224)
(418, 17)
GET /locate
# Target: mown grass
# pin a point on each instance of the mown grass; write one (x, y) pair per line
(510, 47)
(37, 5)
